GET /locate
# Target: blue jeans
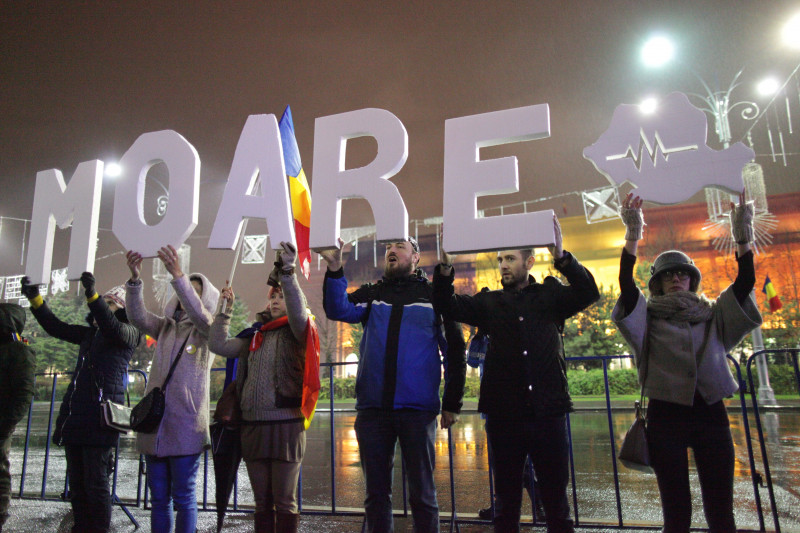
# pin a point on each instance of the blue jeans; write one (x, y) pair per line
(172, 481)
(377, 432)
(545, 440)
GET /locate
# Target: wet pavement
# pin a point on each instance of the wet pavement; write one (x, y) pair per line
(35, 516)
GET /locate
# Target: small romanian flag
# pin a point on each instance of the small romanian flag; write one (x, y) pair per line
(299, 191)
(772, 296)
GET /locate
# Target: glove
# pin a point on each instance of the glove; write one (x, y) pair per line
(29, 291)
(288, 257)
(274, 277)
(742, 223)
(87, 280)
(634, 222)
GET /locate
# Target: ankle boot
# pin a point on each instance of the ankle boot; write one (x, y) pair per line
(287, 522)
(264, 521)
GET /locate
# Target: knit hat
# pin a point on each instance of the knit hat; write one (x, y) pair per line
(673, 260)
(116, 295)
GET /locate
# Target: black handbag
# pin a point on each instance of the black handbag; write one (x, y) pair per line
(147, 415)
(634, 453)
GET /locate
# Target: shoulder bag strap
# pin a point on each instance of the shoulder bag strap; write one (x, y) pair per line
(175, 362)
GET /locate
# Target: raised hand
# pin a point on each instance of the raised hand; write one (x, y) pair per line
(631, 215)
(557, 249)
(134, 264)
(88, 282)
(29, 290)
(333, 257)
(169, 256)
(742, 221)
(288, 256)
(227, 294)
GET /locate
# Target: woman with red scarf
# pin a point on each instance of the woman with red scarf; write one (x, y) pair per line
(277, 383)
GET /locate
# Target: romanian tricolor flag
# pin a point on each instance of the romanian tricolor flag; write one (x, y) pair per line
(299, 191)
(772, 296)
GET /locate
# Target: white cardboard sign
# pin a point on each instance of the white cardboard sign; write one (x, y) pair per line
(664, 154)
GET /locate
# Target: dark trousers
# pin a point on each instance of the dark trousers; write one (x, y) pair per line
(89, 468)
(671, 430)
(5, 477)
(377, 433)
(545, 440)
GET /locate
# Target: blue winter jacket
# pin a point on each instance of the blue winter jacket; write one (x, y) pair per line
(400, 362)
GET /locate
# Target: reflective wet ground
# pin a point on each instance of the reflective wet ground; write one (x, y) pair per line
(594, 487)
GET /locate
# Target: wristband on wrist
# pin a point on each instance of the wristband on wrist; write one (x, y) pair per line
(287, 271)
(37, 301)
(94, 297)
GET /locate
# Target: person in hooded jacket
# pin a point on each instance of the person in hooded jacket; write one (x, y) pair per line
(106, 346)
(680, 340)
(173, 451)
(17, 381)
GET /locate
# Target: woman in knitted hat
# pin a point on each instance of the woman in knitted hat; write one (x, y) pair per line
(276, 379)
(680, 340)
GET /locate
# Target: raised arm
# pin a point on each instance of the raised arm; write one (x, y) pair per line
(191, 302)
(632, 217)
(138, 315)
(296, 310)
(218, 340)
(107, 323)
(741, 218)
(54, 327)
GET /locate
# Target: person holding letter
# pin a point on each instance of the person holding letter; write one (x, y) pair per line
(173, 451)
(399, 371)
(680, 340)
(269, 383)
(106, 345)
(524, 391)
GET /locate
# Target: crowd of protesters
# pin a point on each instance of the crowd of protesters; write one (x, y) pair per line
(411, 331)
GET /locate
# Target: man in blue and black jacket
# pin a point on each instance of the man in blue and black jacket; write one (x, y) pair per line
(399, 371)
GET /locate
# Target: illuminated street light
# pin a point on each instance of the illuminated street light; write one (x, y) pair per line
(768, 87)
(791, 32)
(648, 106)
(657, 51)
(113, 170)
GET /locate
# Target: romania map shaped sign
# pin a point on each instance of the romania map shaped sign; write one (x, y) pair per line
(664, 154)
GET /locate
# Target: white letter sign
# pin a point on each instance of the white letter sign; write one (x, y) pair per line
(56, 203)
(466, 178)
(332, 183)
(180, 157)
(259, 153)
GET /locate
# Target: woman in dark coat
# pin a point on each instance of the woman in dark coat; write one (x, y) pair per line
(106, 345)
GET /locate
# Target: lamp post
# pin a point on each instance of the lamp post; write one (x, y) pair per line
(719, 105)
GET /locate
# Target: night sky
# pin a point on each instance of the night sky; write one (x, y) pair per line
(82, 80)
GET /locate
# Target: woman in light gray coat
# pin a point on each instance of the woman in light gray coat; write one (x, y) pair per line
(269, 383)
(680, 340)
(173, 451)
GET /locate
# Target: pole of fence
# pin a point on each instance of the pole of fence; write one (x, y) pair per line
(49, 432)
(25, 453)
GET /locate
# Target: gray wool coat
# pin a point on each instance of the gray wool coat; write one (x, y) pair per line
(672, 367)
(184, 428)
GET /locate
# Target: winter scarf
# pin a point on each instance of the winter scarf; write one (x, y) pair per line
(682, 306)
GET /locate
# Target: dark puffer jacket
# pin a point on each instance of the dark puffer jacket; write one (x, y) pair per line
(17, 366)
(103, 357)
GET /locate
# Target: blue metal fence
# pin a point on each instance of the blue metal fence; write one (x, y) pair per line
(746, 388)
